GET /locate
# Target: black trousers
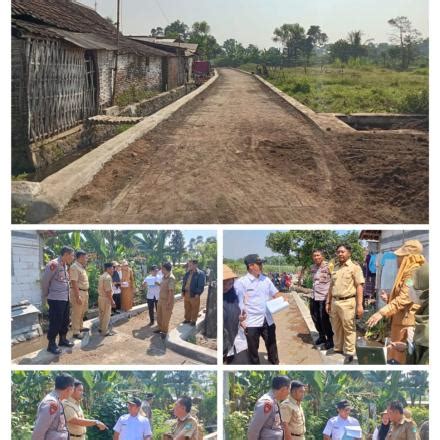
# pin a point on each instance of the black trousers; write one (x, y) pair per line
(267, 332)
(241, 358)
(152, 304)
(59, 318)
(117, 300)
(321, 319)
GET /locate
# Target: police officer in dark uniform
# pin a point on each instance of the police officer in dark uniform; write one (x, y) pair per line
(51, 423)
(56, 285)
(267, 422)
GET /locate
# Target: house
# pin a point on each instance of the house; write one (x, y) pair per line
(179, 67)
(63, 57)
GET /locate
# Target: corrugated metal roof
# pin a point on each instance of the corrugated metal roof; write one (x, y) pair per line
(165, 42)
(84, 40)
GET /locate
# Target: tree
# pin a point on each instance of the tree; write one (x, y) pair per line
(176, 29)
(315, 38)
(176, 246)
(208, 48)
(297, 246)
(292, 37)
(406, 37)
(340, 50)
(357, 49)
(157, 32)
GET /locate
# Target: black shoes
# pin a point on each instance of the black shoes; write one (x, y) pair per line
(157, 331)
(53, 348)
(329, 345)
(65, 343)
(186, 321)
(78, 336)
(320, 341)
(150, 324)
(193, 323)
(348, 359)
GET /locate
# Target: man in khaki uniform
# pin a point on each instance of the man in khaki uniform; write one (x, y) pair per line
(127, 286)
(401, 428)
(79, 292)
(76, 423)
(166, 299)
(186, 426)
(105, 299)
(292, 413)
(344, 301)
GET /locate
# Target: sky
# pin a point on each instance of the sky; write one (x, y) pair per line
(238, 244)
(194, 234)
(253, 21)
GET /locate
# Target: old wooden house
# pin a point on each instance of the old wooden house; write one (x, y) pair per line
(63, 71)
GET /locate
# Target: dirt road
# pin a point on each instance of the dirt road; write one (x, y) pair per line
(239, 154)
(133, 343)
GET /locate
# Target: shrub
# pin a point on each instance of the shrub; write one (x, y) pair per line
(419, 413)
(301, 87)
(236, 425)
(415, 102)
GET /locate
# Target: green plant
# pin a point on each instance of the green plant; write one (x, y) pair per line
(236, 425)
(416, 102)
(18, 215)
(419, 413)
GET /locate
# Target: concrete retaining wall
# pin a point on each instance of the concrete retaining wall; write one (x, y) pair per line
(149, 106)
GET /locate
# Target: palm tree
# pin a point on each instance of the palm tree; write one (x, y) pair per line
(292, 37)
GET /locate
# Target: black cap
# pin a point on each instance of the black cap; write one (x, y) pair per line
(252, 259)
(154, 267)
(149, 395)
(135, 401)
(343, 404)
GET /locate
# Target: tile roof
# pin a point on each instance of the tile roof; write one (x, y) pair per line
(73, 22)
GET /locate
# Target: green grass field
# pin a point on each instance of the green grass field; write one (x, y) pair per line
(367, 89)
(240, 269)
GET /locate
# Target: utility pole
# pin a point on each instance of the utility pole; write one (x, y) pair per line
(117, 51)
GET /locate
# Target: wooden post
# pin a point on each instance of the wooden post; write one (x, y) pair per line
(117, 52)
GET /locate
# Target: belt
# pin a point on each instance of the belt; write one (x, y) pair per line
(76, 435)
(296, 435)
(345, 297)
(83, 290)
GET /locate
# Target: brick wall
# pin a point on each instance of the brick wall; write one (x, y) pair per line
(106, 62)
(133, 71)
(139, 72)
(27, 259)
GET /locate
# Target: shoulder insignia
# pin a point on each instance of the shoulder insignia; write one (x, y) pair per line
(53, 408)
(188, 425)
(267, 407)
(53, 266)
(409, 282)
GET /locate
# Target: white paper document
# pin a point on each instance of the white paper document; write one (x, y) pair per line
(277, 305)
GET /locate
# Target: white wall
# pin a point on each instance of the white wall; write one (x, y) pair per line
(27, 260)
(391, 240)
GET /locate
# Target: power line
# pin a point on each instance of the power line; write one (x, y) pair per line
(162, 11)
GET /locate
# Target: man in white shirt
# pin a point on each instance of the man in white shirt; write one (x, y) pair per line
(254, 290)
(132, 426)
(152, 282)
(343, 426)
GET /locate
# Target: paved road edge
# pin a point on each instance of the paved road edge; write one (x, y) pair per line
(44, 199)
